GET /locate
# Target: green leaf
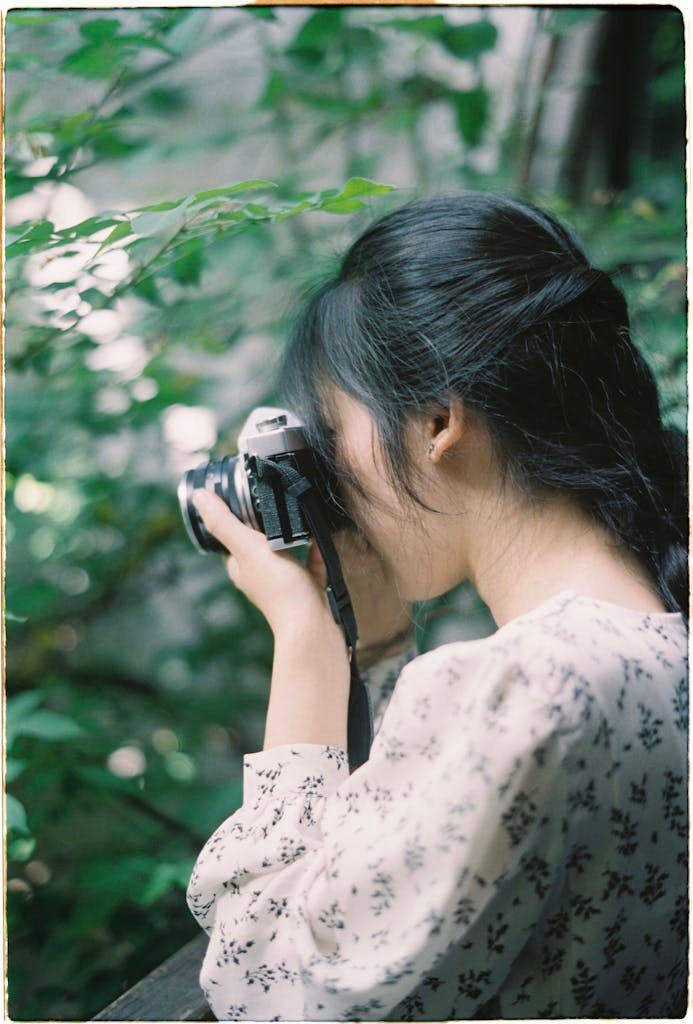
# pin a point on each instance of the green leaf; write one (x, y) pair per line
(296, 208)
(45, 725)
(95, 298)
(158, 222)
(90, 226)
(20, 848)
(231, 190)
(22, 704)
(95, 60)
(35, 238)
(121, 230)
(256, 211)
(105, 53)
(334, 106)
(464, 41)
(319, 29)
(187, 267)
(432, 26)
(15, 814)
(18, 18)
(419, 89)
(129, 41)
(20, 184)
(315, 36)
(99, 29)
(19, 61)
(472, 110)
(262, 13)
(145, 288)
(348, 199)
(467, 41)
(11, 617)
(166, 99)
(163, 878)
(14, 768)
(342, 205)
(669, 86)
(110, 145)
(277, 86)
(363, 187)
(72, 129)
(169, 204)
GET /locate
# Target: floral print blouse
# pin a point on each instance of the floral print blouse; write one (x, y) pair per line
(514, 847)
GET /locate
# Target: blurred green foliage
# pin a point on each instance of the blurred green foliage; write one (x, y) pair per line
(139, 336)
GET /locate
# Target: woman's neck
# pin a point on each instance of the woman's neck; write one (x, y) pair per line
(523, 556)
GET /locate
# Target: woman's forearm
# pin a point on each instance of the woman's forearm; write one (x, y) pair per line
(310, 675)
(310, 685)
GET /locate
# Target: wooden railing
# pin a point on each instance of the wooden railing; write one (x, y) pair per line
(170, 993)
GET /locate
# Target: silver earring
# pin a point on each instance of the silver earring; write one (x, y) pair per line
(431, 449)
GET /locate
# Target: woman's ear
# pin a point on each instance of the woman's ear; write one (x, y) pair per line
(445, 428)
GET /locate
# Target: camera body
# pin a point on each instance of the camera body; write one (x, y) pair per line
(259, 499)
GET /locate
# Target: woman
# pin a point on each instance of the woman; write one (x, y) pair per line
(515, 846)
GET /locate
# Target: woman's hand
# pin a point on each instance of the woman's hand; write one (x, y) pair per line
(276, 583)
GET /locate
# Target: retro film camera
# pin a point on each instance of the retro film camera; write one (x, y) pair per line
(256, 483)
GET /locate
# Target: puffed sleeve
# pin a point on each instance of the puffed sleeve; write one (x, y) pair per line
(331, 896)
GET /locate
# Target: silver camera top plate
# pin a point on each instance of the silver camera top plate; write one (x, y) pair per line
(271, 431)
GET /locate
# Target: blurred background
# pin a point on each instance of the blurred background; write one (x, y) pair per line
(176, 179)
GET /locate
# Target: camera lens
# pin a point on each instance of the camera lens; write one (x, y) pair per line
(258, 494)
(225, 477)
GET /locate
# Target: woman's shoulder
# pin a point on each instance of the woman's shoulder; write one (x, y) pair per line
(570, 625)
(569, 646)
(574, 682)
(590, 630)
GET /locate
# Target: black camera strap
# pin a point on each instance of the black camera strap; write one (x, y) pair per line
(360, 719)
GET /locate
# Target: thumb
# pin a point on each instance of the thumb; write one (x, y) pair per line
(224, 525)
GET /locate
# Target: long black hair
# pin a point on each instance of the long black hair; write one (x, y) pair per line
(482, 298)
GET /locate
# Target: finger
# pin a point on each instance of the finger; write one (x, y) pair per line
(223, 524)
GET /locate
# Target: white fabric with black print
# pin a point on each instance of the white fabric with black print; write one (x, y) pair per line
(515, 846)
